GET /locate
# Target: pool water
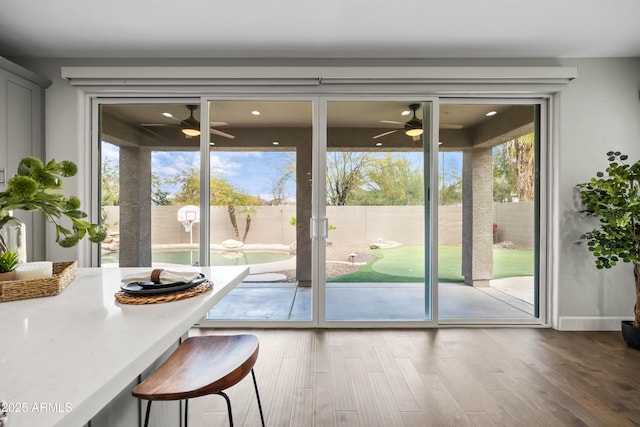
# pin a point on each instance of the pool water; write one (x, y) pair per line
(183, 257)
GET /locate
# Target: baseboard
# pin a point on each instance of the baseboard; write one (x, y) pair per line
(567, 323)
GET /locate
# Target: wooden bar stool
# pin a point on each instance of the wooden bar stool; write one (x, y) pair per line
(200, 366)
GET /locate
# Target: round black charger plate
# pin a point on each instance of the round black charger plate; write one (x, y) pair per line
(149, 288)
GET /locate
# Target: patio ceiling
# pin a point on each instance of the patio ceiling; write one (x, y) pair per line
(351, 124)
(298, 113)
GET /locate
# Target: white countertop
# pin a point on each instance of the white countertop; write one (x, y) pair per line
(63, 358)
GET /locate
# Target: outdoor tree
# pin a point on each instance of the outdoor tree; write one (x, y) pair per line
(450, 194)
(189, 182)
(450, 189)
(110, 189)
(222, 194)
(233, 198)
(159, 196)
(247, 211)
(286, 172)
(345, 174)
(390, 181)
(513, 169)
(504, 177)
(524, 152)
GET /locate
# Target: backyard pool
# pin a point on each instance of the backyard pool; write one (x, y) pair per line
(186, 257)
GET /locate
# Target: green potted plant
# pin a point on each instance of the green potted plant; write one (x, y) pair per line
(35, 187)
(8, 262)
(613, 197)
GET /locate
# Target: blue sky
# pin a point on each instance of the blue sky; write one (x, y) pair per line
(253, 172)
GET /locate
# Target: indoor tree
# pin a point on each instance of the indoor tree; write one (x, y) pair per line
(613, 198)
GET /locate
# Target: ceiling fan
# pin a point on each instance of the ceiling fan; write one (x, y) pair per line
(413, 127)
(191, 126)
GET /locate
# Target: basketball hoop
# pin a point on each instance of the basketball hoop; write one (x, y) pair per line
(188, 215)
(187, 224)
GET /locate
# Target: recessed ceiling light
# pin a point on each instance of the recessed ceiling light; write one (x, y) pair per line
(439, 142)
(405, 113)
(167, 114)
(275, 143)
(378, 144)
(255, 112)
(491, 113)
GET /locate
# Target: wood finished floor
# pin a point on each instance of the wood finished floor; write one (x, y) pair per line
(434, 377)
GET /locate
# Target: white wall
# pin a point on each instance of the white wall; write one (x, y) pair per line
(598, 111)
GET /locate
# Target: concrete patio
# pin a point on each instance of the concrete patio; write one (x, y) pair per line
(510, 298)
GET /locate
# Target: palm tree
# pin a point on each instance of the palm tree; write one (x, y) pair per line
(248, 210)
(233, 198)
(524, 149)
(515, 168)
(222, 194)
(231, 210)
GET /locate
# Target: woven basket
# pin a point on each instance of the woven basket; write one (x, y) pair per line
(63, 274)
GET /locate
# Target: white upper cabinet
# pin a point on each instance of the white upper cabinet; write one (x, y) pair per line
(22, 135)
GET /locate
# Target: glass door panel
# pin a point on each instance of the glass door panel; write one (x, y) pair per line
(150, 166)
(260, 188)
(371, 248)
(375, 265)
(488, 211)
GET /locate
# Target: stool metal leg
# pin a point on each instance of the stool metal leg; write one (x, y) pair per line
(255, 385)
(222, 393)
(186, 413)
(146, 417)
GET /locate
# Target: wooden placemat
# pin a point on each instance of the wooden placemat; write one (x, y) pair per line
(127, 298)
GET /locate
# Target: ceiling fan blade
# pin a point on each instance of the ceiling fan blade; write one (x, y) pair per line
(218, 123)
(160, 124)
(220, 133)
(449, 126)
(380, 135)
(393, 122)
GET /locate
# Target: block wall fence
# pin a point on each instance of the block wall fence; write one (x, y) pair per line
(362, 225)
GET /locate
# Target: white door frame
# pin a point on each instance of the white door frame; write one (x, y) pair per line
(318, 81)
(319, 211)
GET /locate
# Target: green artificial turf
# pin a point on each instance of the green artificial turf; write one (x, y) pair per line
(450, 264)
(406, 264)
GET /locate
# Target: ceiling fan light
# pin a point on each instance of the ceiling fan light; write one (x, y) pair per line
(191, 132)
(414, 132)
(190, 125)
(413, 127)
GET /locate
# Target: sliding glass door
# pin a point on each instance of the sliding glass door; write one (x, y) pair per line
(362, 212)
(260, 197)
(150, 169)
(349, 211)
(489, 211)
(377, 170)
